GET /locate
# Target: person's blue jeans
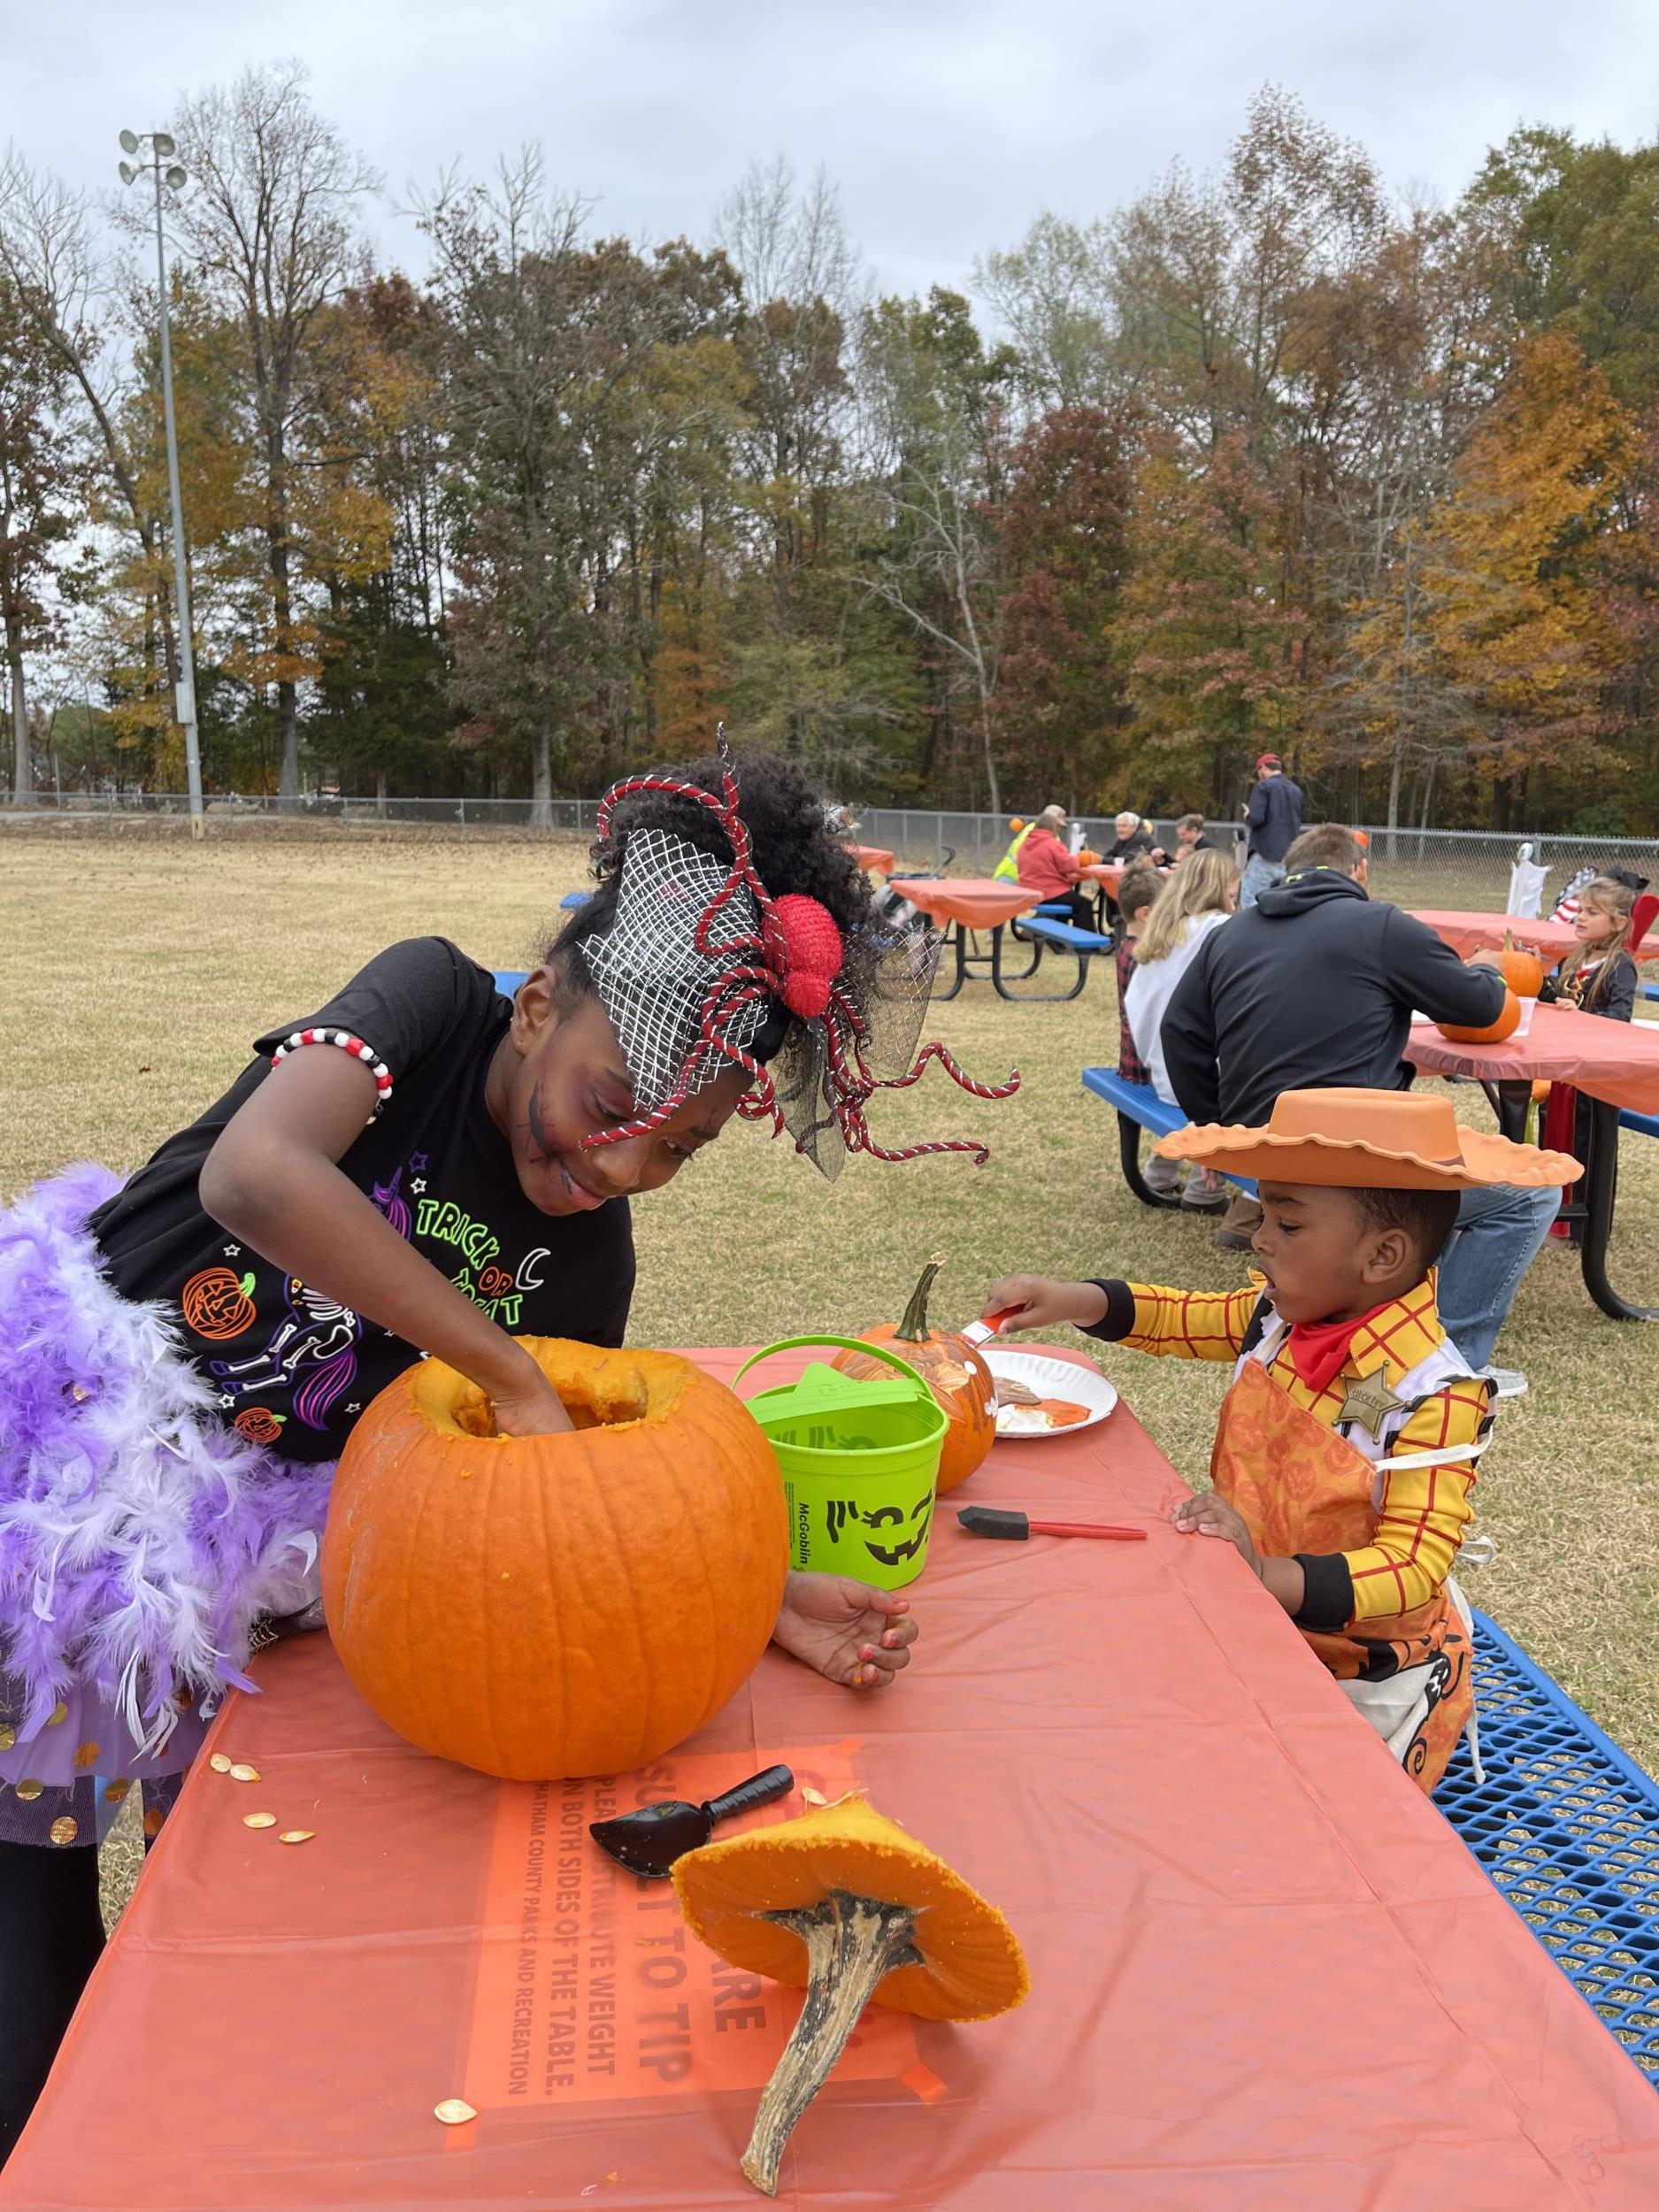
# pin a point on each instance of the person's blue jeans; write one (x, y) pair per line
(1259, 875)
(1499, 1232)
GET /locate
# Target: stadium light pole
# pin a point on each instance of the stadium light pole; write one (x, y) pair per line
(160, 161)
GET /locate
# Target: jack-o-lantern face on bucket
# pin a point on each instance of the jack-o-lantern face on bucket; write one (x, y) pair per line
(908, 1546)
(905, 1528)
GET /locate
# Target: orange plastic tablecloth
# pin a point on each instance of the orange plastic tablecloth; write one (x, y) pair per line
(875, 856)
(1109, 874)
(1467, 933)
(977, 901)
(1615, 1061)
(1266, 1977)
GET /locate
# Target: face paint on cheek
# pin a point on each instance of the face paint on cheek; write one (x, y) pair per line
(539, 1136)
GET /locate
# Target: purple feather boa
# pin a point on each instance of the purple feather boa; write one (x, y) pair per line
(139, 1535)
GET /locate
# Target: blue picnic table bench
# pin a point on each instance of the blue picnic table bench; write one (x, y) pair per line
(1138, 1106)
(1566, 1827)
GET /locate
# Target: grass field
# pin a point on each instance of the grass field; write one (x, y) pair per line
(135, 972)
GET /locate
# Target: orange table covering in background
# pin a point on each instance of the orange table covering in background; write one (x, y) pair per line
(1466, 933)
(1616, 1061)
(875, 856)
(975, 902)
(1109, 874)
(1266, 1977)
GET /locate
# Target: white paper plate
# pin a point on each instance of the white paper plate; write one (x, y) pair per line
(1051, 1379)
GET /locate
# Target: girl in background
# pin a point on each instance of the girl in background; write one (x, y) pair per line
(1600, 978)
(1199, 896)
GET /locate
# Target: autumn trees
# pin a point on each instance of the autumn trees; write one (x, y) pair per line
(1264, 457)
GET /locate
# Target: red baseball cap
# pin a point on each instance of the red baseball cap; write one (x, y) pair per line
(1269, 760)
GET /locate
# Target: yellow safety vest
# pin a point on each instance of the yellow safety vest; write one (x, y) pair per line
(1007, 869)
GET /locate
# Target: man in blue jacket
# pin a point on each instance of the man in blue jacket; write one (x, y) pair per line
(1315, 987)
(1272, 823)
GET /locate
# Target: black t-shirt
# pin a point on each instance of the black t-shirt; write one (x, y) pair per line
(293, 1367)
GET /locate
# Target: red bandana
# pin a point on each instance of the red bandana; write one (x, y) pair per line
(1317, 1349)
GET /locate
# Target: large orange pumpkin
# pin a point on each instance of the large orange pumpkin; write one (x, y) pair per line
(956, 1374)
(1508, 1022)
(543, 1606)
(1522, 971)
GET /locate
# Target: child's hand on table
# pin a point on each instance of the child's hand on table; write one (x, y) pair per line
(847, 1631)
(1042, 1301)
(1207, 1515)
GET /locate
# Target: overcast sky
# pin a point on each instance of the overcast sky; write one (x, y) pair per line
(947, 124)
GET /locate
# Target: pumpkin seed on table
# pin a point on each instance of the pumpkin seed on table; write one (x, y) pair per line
(453, 2111)
(297, 1835)
(258, 1820)
(220, 1763)
(243, 1773)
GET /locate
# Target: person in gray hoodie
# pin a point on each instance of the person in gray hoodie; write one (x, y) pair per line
(1314, 988)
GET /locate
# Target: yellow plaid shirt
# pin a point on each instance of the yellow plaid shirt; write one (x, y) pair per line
(1424, 1510)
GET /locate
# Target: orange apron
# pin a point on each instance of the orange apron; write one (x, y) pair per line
(1301, 1487)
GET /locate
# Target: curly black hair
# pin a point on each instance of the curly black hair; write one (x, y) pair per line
(793, 849)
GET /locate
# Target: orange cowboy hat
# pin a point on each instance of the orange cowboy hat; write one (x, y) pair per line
(1356, 1139)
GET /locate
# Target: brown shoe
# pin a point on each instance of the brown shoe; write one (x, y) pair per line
(1238, 1224)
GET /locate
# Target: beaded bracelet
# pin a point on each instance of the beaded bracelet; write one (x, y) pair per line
(347, 1042)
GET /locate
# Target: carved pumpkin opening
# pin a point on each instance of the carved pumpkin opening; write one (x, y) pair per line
(615, 1392)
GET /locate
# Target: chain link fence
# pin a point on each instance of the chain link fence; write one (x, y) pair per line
(1412, 867)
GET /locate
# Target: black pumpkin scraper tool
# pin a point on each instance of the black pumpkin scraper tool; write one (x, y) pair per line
(648, 1842)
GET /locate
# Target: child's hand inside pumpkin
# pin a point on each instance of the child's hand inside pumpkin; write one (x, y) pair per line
(849, 1631)
(533, 1408)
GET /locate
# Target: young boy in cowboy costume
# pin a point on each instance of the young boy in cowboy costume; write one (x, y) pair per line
(1346, 1451)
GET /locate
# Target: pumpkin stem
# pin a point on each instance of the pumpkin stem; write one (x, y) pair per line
(852, 1943)
(913, 1328)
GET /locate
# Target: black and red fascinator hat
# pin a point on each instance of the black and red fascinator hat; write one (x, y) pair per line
(697, 955)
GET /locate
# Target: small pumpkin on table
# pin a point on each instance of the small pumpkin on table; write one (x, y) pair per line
(953, 1371)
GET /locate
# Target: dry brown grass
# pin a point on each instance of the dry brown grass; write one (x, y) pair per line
(136, 971)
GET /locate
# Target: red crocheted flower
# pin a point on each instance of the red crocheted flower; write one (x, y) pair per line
(811, 953)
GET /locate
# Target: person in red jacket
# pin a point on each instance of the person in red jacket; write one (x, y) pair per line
(1047, 868)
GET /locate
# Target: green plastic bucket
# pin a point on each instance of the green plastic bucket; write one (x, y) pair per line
(859, 1462)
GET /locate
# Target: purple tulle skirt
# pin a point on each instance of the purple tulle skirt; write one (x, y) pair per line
(140, 1537)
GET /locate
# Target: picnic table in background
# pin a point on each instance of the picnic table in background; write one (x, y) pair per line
(1105, 875)
(1467, 933)
(1266, 1974)
(1614, 1064)
(876, 856)
(964, 906)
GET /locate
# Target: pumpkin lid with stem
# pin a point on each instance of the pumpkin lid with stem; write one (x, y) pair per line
(739, 1896)
(844, 1902)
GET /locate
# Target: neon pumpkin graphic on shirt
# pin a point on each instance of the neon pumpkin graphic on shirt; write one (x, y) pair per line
(314, 1350)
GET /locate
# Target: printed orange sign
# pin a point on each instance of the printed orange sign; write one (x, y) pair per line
(590, 1987)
